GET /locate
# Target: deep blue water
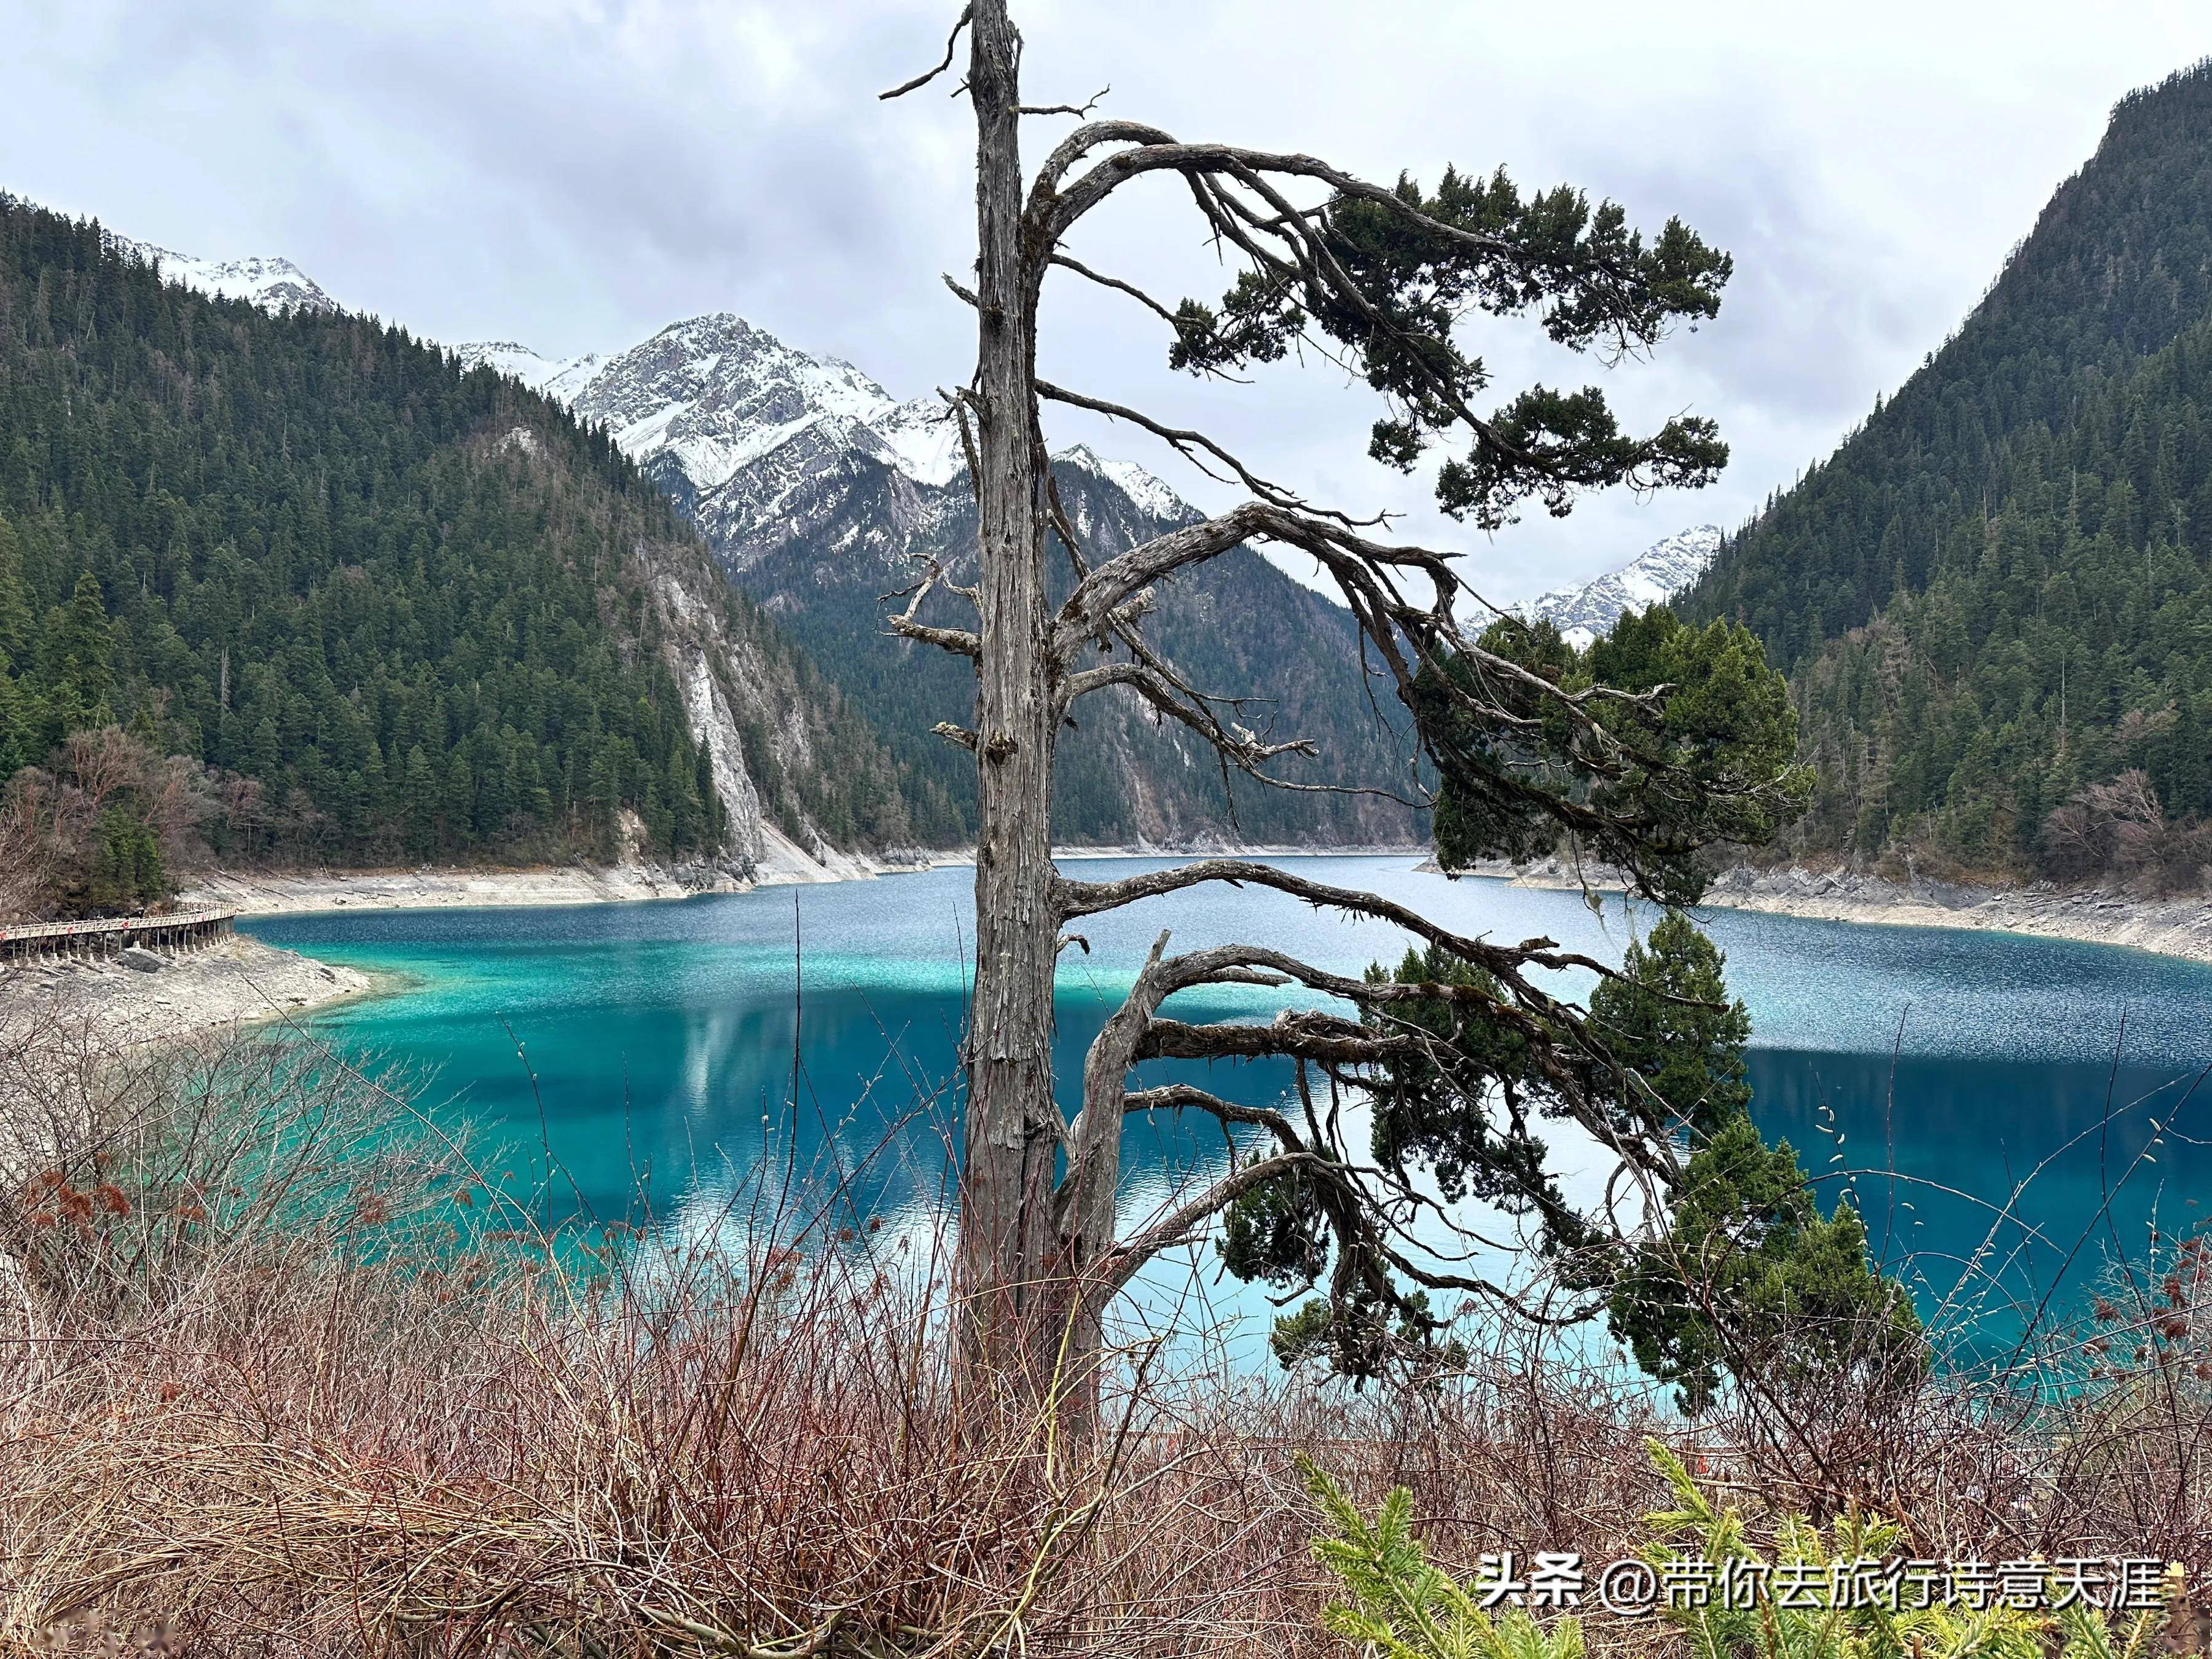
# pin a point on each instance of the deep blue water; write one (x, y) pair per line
(657, 1050)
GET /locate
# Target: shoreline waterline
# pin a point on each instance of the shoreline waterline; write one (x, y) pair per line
(182, 999)
(252, 893)
(2177, 928)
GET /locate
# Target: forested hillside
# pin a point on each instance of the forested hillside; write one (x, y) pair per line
(399, 609)
(1993, 599)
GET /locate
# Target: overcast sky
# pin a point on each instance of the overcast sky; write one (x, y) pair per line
(575, 175)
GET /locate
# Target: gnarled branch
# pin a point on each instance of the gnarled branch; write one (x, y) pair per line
(960, 641)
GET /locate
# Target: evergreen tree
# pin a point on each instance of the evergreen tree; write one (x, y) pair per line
(1668, 1017)
(1745, 1276)
(126, 874)
(79, 642)
(14, 610)
(1749, 1279)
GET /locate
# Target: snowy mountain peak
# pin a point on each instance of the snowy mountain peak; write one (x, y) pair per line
(716, 407)
(1148, 492)
(1664, 569)
(272, 283)
(714, 394)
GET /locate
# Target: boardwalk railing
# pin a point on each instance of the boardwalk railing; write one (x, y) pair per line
(186, 929)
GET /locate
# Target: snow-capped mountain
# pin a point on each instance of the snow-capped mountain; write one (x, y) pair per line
(1660, 572)
(268, 282)
(712, 397)
(700, 402)
(559, 380)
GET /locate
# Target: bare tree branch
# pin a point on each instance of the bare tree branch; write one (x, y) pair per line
(1193, 446)
(1083, 615)
(1055, 210)
(928, 75)
(1081, 111)
(1179, 1097)
(960, 641)
(1083, 898)
(1325, 1039)
(1068, 261)
(1240, 746)
(1181, 1224)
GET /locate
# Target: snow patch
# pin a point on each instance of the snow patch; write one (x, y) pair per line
(920, 439)
(557, 380)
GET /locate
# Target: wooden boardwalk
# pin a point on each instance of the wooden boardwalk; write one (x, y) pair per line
(187, 930)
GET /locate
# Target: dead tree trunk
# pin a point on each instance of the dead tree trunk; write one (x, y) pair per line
(1381, 274)
(1012, 1126)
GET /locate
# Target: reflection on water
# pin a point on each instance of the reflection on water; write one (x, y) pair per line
(659, 1041)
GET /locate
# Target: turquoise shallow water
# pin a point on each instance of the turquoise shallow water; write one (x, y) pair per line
(657, 1053)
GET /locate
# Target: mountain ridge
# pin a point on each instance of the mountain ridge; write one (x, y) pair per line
(265, 280)
(1995, 598)
(394, 608)
(823, 493)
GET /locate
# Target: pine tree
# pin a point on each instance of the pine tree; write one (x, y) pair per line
(1668, 1017)
(1744, 1276)
(15, 609)
(1530, 746)
(78, 667)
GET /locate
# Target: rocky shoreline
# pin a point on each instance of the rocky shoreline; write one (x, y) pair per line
(236, 981)
(266, 893)
(2179, 926)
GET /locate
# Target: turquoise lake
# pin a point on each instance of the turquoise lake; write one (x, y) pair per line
(657, 1054)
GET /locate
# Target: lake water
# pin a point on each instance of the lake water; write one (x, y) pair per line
(652, 1047)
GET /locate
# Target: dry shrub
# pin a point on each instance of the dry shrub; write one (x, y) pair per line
(298, 1381)
(275, 1389)
(2120, 829)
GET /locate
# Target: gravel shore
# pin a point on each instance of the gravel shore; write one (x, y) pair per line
(258, 894)
(237, 981)
(263, 894)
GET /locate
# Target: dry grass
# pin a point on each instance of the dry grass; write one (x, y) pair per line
(281, 1381)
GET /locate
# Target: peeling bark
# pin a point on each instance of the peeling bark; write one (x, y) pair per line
(1013, 1128)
